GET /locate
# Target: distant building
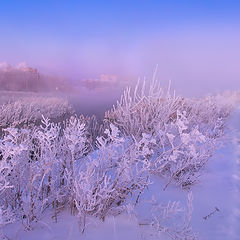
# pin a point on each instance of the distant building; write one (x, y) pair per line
(23, 78)
(26, 79)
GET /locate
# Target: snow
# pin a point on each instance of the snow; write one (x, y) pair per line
(219, 188)
(67, 228)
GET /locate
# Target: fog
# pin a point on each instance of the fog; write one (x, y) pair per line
(197, 61)
(88, 96)
(189, 74)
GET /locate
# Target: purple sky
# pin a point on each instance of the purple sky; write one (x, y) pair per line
(195, 43)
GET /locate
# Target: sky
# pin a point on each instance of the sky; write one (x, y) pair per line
(196, 44)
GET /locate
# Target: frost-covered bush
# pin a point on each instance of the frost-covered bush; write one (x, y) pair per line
(29, 110)
(209, 114)
(11, 148)
(171, 221)
(118, 169)
(141, 110)
(186, 130)
(47, 168)
(37, 168)
(181, 151)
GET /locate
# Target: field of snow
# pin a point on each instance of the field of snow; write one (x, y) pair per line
(163, 168)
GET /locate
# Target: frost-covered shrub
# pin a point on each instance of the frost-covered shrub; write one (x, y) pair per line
(181, 151)
(29, 110)
(47, 168)
(172, 221)
(209, 114)
(141, 110)
(186, 130)
(11, 148)
(118, 168)
(37, 168)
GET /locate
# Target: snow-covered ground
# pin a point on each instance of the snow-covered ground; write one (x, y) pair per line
(219, 188)
(216, 205)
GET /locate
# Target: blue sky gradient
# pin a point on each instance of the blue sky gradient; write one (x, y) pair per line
(195, 43)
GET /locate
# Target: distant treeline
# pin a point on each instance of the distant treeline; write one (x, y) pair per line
(29, 79)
